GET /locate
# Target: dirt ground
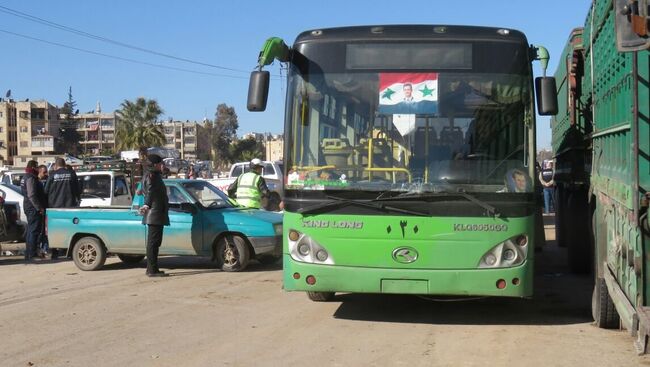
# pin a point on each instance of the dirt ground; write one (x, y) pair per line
(52, 314)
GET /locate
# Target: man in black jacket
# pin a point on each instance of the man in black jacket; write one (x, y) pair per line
(34, 204)
(155, 213)
(62, 188)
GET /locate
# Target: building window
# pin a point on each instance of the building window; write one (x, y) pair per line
(24, 129)
(38, 113)
(23, 114)
(24, 144)
(1, 113)
(2, 129)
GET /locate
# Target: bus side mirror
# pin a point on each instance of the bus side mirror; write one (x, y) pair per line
(632, 22)
(546, 96)
(258, 91)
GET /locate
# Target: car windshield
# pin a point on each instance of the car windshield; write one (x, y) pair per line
(208, 195)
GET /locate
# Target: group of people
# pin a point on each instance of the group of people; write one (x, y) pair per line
(42, 190)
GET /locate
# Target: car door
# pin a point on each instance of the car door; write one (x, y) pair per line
(121, 195)
(183, 235)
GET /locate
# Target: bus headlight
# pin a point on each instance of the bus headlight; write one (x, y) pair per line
(304, 249)
(509, 253)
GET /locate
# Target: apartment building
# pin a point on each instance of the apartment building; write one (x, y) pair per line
(96, 131)
(185, 137)
(27, 129)
(274, 146)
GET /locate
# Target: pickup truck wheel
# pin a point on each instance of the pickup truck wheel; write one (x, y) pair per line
(320, 296)
(89, 254)
(131, 259)
(231, 253)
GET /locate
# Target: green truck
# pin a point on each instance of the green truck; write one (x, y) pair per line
(602, 151)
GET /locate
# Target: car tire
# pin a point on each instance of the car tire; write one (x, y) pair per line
(320, 296)
(130, 259)
(232, 253)
(89, 253)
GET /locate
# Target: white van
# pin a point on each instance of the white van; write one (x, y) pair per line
(104, 188)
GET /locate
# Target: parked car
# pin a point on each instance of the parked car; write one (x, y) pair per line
(272, 173)
(12, 177)
(104, 188)
(12, 193)
(11, 229)
(204, 222)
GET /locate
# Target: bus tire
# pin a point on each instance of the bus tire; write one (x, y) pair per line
(232, 253)
(89, 253)
(320, 296)
(130, 259)
(602, 307)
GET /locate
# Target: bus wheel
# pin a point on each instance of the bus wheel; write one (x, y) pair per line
(131, 259)
(232, 253)
(602, 307)
(320, 296)
(89, 253)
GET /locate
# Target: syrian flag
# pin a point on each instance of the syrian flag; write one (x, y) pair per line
(408, 93)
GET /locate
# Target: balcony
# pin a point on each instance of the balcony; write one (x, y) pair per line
(43, 143)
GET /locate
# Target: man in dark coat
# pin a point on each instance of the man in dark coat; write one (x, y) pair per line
(155, 212)
(62, 188)
(34, 204)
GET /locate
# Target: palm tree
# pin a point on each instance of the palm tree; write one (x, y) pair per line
(137, 125)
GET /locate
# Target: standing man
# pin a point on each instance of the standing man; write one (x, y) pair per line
(155, 212)
(250, 188)
(546, 177)
(62, 189)
(34, 204)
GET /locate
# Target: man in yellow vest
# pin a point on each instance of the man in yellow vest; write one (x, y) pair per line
(250, 188)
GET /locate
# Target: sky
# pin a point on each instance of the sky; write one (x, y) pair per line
(222, 39)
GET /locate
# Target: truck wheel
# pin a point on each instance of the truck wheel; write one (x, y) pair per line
(320, 296)
(231, 253)
(131, 259)
(602, 307)
(89, 253)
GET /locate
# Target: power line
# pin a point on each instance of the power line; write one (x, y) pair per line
(120, 58)
(36, 19)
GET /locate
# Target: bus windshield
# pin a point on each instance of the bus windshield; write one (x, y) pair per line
(370, 126)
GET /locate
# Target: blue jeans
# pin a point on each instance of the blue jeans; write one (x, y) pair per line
(34, 232)
(549, 200)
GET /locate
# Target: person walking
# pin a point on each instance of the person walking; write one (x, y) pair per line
(250, 188)
(34, 204)
(155, 212)
(62, 190)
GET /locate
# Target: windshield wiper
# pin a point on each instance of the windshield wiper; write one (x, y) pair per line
(491, 210)
(339, 202)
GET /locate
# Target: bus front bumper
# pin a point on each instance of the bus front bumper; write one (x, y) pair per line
(463, 282)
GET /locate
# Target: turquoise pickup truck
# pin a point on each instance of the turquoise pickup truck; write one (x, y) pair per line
(203, 222)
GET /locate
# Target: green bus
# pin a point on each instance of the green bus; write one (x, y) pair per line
(410, 159)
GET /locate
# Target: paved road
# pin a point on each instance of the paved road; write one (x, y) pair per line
(52, 314)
